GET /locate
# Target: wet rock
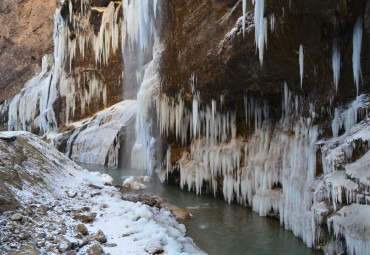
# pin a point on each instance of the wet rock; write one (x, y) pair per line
(16, 217)
(81, 228)
(85, 217)
(179, 212)
(63, 244)
(100, 237)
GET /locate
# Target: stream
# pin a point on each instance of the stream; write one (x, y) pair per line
(217, 227)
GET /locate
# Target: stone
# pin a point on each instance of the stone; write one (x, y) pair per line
(109, 244)
(63, 244)
(81, 228)
(28, 210)
(100, 237)
(42, 209)
(94, 250)
(24, 235)
(16, 217)
(85, 217)
(179, 212)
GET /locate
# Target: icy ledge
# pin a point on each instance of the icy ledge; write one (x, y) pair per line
(44, 176)
(353, 223)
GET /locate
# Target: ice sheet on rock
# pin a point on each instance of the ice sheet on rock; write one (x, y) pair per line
(360, 171)
(95, 140)
(353, 223)
(337, 152)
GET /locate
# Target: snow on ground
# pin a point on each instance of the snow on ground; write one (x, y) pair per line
(67, 190)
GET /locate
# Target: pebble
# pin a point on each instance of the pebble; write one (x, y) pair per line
(81, 228)
(100, 237)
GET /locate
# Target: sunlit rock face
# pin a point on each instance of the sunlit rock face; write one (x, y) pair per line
(26, 29)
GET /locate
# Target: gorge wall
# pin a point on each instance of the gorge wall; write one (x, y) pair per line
(262, 102)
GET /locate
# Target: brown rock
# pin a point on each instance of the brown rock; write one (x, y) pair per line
(94, 250)
(100, 237)
(81, 228)
(85, 217)
(179, 212)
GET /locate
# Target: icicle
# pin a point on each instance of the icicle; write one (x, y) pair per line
(301, 63)
(272, 22)
(336, 63)
(356, 57)
(244, 13)
(259, 24)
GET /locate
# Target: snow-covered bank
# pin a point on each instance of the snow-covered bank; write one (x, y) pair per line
(45, 178)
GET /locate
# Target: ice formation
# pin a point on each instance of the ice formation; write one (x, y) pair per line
(301, 61)
(353, 223)
(336, 64)
(33, 107)
(85, 143)
(356, 57)
(260, 27)
(244, 13)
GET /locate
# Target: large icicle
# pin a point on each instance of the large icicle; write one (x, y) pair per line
(356, 57)
(259, 23)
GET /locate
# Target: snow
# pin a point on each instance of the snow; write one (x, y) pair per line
(132, 226)
(353, 223)
(356, 56)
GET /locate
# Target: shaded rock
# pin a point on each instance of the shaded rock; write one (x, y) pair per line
(100, 237)
(81, 228)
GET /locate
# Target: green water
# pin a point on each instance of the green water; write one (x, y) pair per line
(219, 228)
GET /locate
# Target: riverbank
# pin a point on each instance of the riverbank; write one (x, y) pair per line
(51, 205)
